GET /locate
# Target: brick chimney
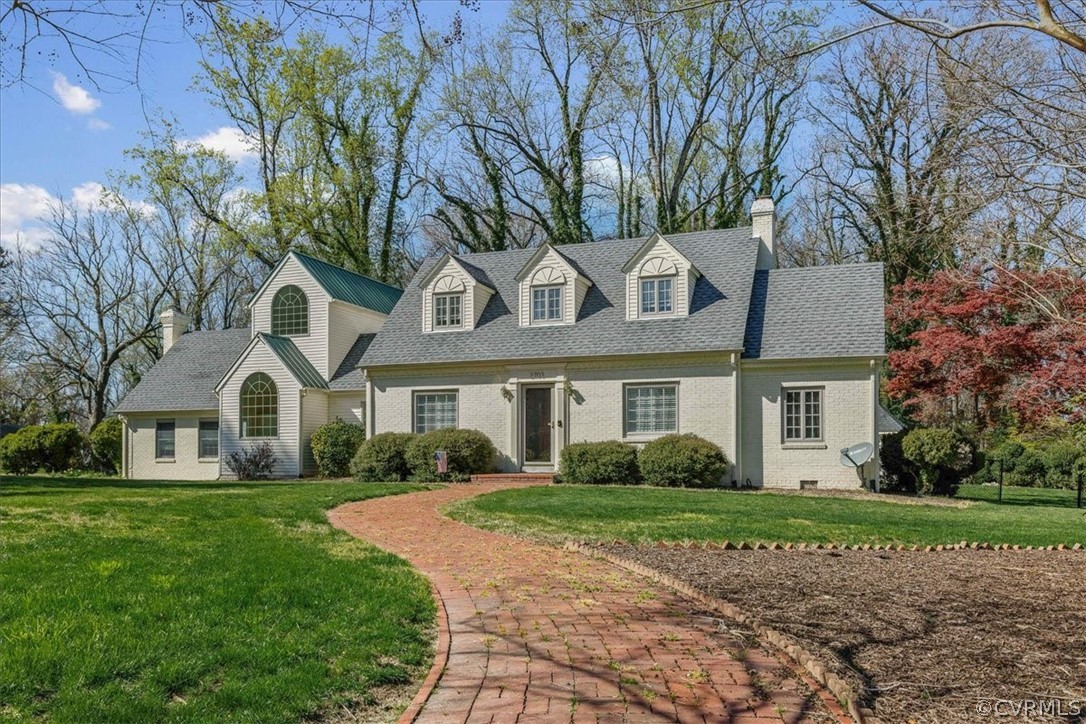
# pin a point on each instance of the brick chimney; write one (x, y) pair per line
(764, 222)
(174, 324)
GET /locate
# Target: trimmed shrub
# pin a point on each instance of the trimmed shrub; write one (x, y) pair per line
(1062, 460)
(599, 463)
(685, 461)
(334, 446)
(383, 458)
(256, 463)
(20, 451)
(469, 451)
(55, 448)
(105, 445)
(941, 457)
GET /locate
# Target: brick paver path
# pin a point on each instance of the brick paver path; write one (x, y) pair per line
(540, 634)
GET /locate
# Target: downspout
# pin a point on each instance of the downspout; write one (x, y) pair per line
(737, 423)
(301, 427)
(368, 416)
(876, 472)
(125, 442)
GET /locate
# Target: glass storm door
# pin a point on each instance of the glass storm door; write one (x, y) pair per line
(538, 424)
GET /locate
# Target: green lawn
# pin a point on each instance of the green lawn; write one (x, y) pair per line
(638, 514)
(152, 601)
(1021, 496)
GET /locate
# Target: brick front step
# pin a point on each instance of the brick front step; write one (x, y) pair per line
(514, 478)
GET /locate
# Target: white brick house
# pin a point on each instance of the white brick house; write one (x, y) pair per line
(540, 348)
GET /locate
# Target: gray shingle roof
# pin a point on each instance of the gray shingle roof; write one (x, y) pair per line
(825, 311)
(185, 377)
(295, 362)
(348, 376)
(726, 259)
(887, 423)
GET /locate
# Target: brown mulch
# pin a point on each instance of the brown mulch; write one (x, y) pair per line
(927, 636)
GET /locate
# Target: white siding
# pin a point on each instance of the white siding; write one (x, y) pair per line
(661, 253)
(705, 398)
(480, 403)
(285, 444)
(315, 344)
(346, 406)
(314, 414)
(186, 465)
(549, 271)
(345, 323)
(847, 420)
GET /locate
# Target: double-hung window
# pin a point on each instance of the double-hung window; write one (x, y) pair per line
(448, 311)
(434, 411)
(208, 441)
(651, 409)
(547, 304)
(803, 415)
(164, 440)
(657, 296)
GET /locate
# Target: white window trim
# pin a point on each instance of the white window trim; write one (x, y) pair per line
(447, 327)
(218, 440)
(546, 304)
(818, 443)
(415, 407)
(646, 436)
(641, 313)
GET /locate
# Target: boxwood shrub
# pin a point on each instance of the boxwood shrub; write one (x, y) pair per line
(383, 458)
(55, 448)
(469, 451)
(599, 463)
(105, 445)
(684, 461)
(334, 446)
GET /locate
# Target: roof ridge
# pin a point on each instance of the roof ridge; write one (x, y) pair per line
(343, 268)
(821, 267)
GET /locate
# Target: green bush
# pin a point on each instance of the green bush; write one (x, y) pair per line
(20, 451)
(469, 451)
(383, 458)
(1062, 460)
(1030, 470)
(105, 445)
(941, 458)
(599, 463)
(55, 448)
(897, 476)
(334, 446)
(686, 461)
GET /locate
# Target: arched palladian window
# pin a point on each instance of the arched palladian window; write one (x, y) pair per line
(259, 406)
(290, 312)
(657, 283)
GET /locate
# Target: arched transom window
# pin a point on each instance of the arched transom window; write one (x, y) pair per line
(548, 295)
(657, 287)
(259, 406)
(290, 312)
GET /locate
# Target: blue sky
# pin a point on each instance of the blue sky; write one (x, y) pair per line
(60, 135)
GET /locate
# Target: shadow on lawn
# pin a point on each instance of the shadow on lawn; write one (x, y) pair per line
(59, 484)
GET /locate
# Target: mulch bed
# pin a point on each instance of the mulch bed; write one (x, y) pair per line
(927, 636)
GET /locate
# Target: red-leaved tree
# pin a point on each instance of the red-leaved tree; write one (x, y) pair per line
(979, 344)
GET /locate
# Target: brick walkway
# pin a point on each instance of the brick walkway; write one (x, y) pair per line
(540, 634)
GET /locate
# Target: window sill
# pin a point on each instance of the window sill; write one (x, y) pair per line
(259, 439)
(804, 446)
(647, 436)
(165, 460)
(207, 460)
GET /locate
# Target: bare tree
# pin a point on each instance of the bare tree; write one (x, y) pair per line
(88, 298)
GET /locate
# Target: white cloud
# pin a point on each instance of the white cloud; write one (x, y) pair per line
(21, 207)
(97, 124)
(602, 169)
(231, 142)
(25, 210)
(73, 97)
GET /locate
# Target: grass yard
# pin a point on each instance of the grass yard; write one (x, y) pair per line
(638, 514)
(153, 601)
(1020, 496)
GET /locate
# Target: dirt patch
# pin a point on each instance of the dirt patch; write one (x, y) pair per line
(866, 495)
(927, 636)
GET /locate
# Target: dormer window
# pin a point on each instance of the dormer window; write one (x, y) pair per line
(290, 312)
(657, 296)
(547, 304)
(449, 311)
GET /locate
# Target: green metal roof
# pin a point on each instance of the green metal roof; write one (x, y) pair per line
(347, 286)
(295, 362)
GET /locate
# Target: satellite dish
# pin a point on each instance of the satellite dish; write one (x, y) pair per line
(857, 455)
